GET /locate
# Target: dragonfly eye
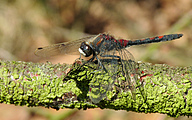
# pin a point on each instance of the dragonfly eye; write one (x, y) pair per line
(85, 49)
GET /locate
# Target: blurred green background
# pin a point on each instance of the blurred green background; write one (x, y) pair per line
(28, 24)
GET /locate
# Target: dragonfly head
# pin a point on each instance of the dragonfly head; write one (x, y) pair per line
(85, 49)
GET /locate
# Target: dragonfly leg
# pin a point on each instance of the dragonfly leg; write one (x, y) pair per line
(78, 58)
(101, 64)
(115, 57)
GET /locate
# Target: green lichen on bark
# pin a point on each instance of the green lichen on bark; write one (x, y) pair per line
(164, 89)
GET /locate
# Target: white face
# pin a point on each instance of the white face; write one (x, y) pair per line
(81, 52)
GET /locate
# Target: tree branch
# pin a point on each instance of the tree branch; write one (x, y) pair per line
(165, 89)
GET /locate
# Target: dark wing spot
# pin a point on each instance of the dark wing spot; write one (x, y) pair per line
(40, 48)
(63, 44)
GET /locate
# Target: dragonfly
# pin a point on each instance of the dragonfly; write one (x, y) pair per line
(103, 47)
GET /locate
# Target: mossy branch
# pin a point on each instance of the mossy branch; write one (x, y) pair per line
(165, 90)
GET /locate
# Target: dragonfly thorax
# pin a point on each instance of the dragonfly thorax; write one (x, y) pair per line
(85, 49)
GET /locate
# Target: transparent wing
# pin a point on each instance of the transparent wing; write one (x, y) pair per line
(104, 77)
(129, 70)
(61, 48)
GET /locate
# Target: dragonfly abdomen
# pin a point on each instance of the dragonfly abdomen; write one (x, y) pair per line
(127, 43)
